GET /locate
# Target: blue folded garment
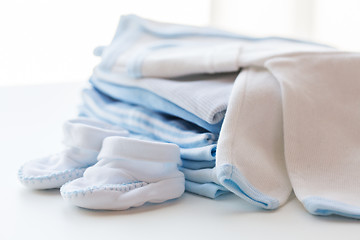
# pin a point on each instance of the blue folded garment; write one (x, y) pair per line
(148, 123)
(193, 155)
(210, 190)
(206, 175)
(150, 100)
(196, 165)
(195, 143)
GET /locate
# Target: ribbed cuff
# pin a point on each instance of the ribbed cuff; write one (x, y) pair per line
(89, 134)
(134, 149)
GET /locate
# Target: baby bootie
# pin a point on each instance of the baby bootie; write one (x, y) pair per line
(83, 140)
(129, 173)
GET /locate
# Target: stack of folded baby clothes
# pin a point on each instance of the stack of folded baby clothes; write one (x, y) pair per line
(164, 80)
(257, 117)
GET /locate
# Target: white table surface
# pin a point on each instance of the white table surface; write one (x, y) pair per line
(30, 126)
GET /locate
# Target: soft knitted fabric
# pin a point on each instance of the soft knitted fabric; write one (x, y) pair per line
(149, 125)
(152, 50)
(250, 155)
(145, 48)
(209, 190)
(196, 165)
(204, 153)
(192, 98)
(140, 120)
(129, 173)
(83, 140)
(321, 103)
(205, 175)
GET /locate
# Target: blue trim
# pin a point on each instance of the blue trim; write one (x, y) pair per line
(123, 187)
(233, 180)
(56, 178)
(324, 207)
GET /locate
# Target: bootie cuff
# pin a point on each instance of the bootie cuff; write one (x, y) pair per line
(89, 134)
(133, 149)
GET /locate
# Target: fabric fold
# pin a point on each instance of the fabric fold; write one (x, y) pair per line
(250, 158)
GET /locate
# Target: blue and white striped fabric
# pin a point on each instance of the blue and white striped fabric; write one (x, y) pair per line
(195, 143)
(196, 158)
(148, 123)
(151, 100)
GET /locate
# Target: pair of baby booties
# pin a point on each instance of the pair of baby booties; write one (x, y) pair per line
(103, 168)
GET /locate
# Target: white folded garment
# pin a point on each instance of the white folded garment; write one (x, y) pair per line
(144, 48)
(321, 106)
(250, 155)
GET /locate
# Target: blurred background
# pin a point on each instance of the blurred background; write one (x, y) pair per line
(52, 41)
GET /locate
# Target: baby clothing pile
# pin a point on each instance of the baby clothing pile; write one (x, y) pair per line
(176, 107)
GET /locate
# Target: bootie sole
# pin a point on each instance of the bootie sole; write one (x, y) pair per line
(50, 181)
(123, 196)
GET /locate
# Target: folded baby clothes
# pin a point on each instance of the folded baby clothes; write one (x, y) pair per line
(83, 140)
(144, 48)
(129, 173)
(278, 111)
(204, 153)
(195, 99)
(157, 126)
(203, 182)
(154, 125)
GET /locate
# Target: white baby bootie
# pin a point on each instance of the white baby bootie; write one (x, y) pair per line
(83, 140)
(129, 173)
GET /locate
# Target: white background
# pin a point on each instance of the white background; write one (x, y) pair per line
(52, 41)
